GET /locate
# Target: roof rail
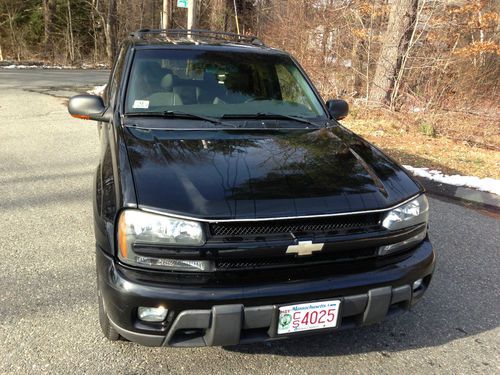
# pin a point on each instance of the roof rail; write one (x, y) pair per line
(198, 34)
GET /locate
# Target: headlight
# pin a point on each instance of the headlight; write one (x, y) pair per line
(137, 228)
(409, 214)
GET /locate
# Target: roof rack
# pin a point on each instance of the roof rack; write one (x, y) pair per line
(198, 34)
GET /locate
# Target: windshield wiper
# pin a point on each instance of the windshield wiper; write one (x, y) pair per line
(179, 114)
(261, 115)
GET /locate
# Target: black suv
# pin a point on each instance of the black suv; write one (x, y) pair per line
(230, 205)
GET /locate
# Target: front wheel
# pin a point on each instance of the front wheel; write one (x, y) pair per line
(107, 329)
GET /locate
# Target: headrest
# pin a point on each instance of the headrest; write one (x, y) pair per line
(167, 82)
(146, 67)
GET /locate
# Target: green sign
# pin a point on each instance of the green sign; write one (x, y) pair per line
(182, 3)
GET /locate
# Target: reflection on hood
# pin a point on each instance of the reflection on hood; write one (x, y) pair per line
(244, 174)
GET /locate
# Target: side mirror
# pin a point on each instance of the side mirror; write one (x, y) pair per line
(338, 108)
(88, 107)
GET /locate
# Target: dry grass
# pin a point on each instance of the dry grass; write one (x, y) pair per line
(453, 144)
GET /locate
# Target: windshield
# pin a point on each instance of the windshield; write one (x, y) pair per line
(219, 83)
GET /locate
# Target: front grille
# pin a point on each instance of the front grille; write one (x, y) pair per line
(345, 223)
(225, 264)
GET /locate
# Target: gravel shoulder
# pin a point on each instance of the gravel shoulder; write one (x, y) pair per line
(48, 306)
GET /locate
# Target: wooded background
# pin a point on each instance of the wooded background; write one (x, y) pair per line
(403, 54)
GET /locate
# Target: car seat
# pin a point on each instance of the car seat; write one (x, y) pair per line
(166, 97)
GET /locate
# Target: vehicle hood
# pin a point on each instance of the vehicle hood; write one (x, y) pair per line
(244, 174)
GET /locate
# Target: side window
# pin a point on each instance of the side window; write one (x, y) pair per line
(115, 76)
(290, 89)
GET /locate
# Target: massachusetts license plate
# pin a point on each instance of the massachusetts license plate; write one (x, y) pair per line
(308, 316)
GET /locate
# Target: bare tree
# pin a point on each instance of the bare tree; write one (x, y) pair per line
(94, 14)
(111, 31)
(406, 53)
(166, 15)
(395, 44)
(49, 20)
(70, 36)
(218, 14)
(15, 45)
(141, 13)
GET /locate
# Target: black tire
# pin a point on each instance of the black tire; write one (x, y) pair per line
(107, 329)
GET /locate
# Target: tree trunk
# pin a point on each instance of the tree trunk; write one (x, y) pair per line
(358, 55)
(71, 40)
(13, 38)
(401, 23)
(95, 7)
(111, 32)
(141, 12)
(153, 12)
(218, 15)
(49, 19)
(166, 15)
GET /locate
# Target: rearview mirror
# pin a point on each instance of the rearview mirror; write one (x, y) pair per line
(88, 107)
(338, 108)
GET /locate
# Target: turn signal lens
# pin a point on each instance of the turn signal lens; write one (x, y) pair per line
(403, 245)
(81, 117)
(122, 236)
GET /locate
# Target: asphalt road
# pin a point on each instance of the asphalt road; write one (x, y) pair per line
(48, 307)
(45, 78)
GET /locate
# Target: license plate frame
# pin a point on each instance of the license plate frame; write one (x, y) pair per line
(283, 332)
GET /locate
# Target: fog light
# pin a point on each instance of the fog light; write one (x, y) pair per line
(417, 284)
(152, 314)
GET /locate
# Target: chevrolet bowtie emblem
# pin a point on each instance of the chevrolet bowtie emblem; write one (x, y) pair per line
(304, 248)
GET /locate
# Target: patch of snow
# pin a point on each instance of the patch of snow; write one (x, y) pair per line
(94, 66)
(58, 67)
(13, 66)
(21, 66)
(490, 185)
(97, 90)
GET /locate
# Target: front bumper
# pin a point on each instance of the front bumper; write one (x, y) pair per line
(201, 315)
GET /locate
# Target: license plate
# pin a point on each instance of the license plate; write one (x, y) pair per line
(308, 316)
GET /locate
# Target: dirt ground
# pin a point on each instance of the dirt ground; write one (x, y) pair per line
(458, 144)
